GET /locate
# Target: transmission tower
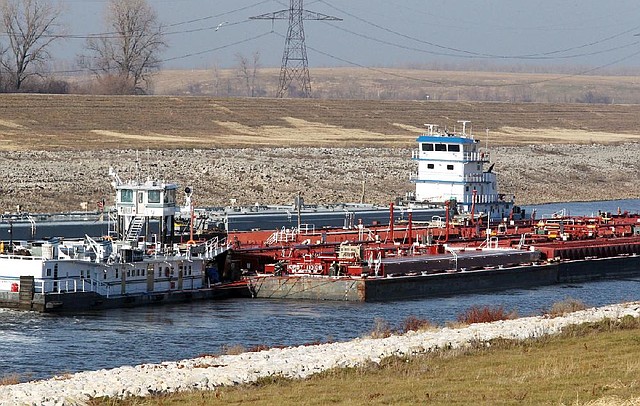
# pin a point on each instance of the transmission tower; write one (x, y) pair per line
(295, 66)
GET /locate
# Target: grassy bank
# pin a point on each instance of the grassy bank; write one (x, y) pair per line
(587, 364)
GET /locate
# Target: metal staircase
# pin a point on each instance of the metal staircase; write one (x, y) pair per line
(134, 229)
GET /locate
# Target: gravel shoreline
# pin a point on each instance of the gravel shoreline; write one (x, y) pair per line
(59, 181)
(209, 372)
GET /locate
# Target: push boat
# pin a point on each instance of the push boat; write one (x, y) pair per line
(132, 265)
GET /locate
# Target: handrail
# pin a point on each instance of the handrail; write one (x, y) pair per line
(73, 285)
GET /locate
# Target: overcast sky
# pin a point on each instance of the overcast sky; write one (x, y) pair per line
(591, 33)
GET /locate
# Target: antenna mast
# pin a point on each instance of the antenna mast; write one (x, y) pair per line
(295, 65)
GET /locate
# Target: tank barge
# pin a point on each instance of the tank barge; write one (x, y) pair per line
(483, 242)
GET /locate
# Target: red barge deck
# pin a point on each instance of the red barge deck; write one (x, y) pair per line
(414, 260)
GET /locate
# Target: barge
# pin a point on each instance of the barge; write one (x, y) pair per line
(483, 242)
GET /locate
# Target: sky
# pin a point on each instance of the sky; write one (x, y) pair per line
(593, 34)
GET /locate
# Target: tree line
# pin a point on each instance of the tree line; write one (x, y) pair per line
(121, 59)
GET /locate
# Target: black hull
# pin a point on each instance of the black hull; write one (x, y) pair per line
(444, 284)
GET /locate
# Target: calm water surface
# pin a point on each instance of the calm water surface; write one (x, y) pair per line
(38, 346)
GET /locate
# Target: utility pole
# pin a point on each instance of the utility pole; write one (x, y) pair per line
(295, 65)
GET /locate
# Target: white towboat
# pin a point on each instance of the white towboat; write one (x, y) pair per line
(130, 266)
(451, 168)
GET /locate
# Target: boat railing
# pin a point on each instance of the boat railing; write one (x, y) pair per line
(282, 235)
(483, 156)
(216, 246)
(21, 257)
(72, 286)
(488, 198)
(480, 177)
(307, 229)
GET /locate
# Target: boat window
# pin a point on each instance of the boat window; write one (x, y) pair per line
(441, 147)
(128, 273)
(143, 272)
(117, 273)
(189, 269)
(170, 196)
(154, 196)
(454, 148)
(137, 272)
(427, 147)
(159, 271)
(140, 197)
(430, 166)
(466, 189)
(450, 167)
(81, 274)
(126, 196)
(48, 271)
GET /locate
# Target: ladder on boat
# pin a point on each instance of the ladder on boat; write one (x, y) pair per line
(134, 229)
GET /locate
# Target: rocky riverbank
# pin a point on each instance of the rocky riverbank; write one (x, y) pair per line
(60, 181)
(210, 372)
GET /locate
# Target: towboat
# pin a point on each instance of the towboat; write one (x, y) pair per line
(134, 264)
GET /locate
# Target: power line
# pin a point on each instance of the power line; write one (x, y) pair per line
(175, 58)
(113, 35)
(480, 56)
(473, 54)
(442, 83)
(218, 48)
(219, 15)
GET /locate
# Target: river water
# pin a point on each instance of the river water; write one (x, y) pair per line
(36, 345)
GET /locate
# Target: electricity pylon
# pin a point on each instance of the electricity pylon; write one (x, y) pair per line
(295, 66)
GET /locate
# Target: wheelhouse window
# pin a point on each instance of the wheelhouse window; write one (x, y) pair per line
(154, 196)
(453, 148)
(126, 196)
(427, 147)
(170, 196)
(441, 147)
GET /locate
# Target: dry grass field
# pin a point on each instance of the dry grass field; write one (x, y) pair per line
(55, 151)
(36, 122)
(568, 86)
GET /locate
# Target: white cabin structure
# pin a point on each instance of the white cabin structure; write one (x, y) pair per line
(451, 167)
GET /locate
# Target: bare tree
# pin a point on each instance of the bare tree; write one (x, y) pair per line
(125, 58)
(248, 72)
(31, 26)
